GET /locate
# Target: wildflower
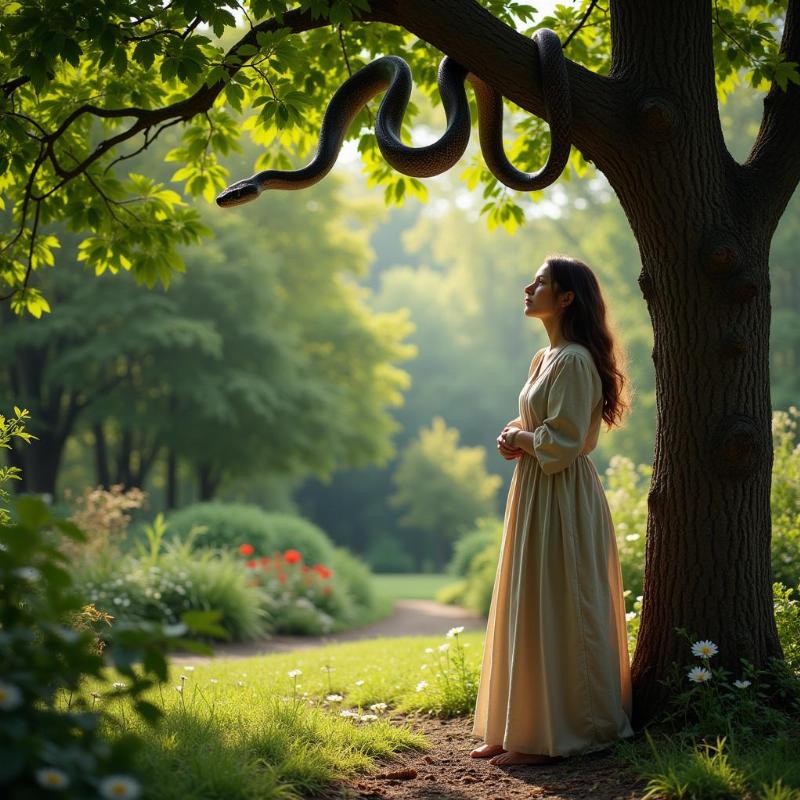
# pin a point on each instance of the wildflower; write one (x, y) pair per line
(454, 631)
(322, 571)
(119, 786)
(188, 668)
(378, 707)
(52, 778)
(10, 696)
(359, 683)
(348, 713)
(629, 615)
(741, 684)
(246, 549)
(699, 674)
(292, 556)
(240, 683)
(704, 649)
(334, 698)
(293, 673)
(118, 685)
(632, 537)
(428, 649)
(444, 647)
(368, 717)
(179, 689)
(424, 666)
(213, 680)
(184, 677)
(422, 685)
(251, 564)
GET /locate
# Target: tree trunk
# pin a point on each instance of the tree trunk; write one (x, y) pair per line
(123, 476)
(207, 482)
(171, 499)
(102, 472)
(704, 245)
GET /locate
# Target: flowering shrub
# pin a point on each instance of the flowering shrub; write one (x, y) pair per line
(49, 734)
(102, 514)
(162, 584)
(450, 687)
(714, 703)
(299, 598)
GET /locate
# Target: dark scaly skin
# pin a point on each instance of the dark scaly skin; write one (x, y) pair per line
(391, 74)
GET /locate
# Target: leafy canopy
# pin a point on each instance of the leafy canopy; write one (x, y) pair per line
(89, 83)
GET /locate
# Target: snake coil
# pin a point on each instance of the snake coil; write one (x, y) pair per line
(392, 74)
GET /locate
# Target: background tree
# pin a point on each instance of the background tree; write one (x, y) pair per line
(85, 80)
(442, 489)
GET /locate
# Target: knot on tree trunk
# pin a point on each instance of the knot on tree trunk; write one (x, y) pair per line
(656, 117)
(720, 256)
(738, 444)
(742, 288)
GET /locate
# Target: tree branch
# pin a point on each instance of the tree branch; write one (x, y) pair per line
(773, 165)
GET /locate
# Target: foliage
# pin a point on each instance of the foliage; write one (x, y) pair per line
(171, 578)
(48, 648)
(785, 497)
(300, 598)
(387, 554)
(787, 620)
(227, 525)
(443, 488)
(10, 428)
(486, 532)
(707, 701)
(159, 65)
(102, 516)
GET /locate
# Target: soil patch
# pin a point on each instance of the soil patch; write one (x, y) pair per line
(448, 772)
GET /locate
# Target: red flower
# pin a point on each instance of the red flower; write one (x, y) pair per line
(323, 572)
(246, 549)
(282, 578)
(292, 556)
(252, 563)
(326, 590)
(264, 561)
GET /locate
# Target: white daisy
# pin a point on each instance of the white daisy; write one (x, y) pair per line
(360, 683)
(188, 668)
(705, 648)
(422, 685)
(10, 696)
(378, 707)
(455, 631)
(334, 698)
(741, 684)
(293, 673)
(118, 685)
(119, 786)
(428, 649)
(444, 647)
(699, 674)
(368, 717)
(52, 778)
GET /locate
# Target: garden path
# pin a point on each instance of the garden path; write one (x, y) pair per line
(409, 618)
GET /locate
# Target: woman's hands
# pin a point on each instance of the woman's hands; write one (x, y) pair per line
(505, 447)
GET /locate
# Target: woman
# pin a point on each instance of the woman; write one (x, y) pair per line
(555, 679)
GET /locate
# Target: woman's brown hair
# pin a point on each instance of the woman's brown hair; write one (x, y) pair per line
(584, 321)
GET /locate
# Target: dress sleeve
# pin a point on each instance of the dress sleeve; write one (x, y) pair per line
(558, 441)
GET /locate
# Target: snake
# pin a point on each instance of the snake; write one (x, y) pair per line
(392, 75)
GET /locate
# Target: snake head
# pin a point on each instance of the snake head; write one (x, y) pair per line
(238, 193)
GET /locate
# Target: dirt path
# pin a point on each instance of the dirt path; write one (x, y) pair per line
(409, 618)
(447, 772)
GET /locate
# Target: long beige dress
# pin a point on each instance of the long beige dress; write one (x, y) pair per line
(555, 678)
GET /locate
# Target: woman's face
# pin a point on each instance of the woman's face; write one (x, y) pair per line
(540, 299)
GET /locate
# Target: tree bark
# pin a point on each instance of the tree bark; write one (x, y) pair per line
(171, 500)
(208, 480)
(102, 472)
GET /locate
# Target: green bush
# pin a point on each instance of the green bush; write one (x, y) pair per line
(785, 497)
(387, 554)
(228, 525)
(355, 576)
(50, 735)
(487, 531)
(162, 586)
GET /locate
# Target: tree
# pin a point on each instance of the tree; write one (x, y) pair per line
(644, 75)
(443, 488)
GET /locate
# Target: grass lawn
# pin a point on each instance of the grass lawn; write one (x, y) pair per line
(411, 585)
(253, 728)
